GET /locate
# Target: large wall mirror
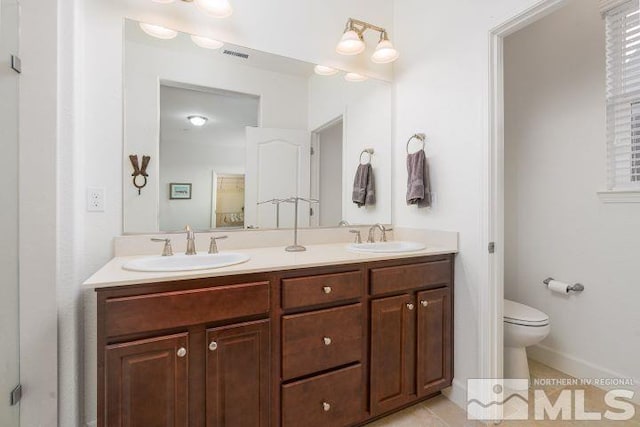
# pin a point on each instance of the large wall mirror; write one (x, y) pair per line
(233, 134)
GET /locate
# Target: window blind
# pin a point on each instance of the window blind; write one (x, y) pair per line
(623, 95)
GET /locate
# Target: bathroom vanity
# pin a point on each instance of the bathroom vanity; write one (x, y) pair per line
(327, 345)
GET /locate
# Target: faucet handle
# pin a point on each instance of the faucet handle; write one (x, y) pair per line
(358, 235)
(167, 250)
(213, 246)
(384, 232)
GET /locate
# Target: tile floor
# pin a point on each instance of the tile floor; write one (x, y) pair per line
(441, 412)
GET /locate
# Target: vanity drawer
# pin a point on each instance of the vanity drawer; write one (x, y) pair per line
(327, 288)
(405, 277)
(332, 399)
(170, 310)
(324, 339)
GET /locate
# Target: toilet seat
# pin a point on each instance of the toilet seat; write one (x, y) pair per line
(523, 315)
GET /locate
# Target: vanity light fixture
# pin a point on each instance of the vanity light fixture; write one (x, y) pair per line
(385, 52)
(214, 8)
(323, 70)
(355, 77)
(352, 42)
(206, 42)
(158, 31)
(198, 121)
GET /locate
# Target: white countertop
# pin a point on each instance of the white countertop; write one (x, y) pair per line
(262, 260)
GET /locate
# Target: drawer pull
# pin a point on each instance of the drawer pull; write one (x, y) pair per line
(326, 407)
(410, 306)
(327, 289)
(182, 352)
(326, 340)
(213, 346)
(424, 303)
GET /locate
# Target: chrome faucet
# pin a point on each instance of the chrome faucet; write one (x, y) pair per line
(213, 246)
(167, 250)
(191, 241)
(383, 230)
(358, 235)
(343, 223)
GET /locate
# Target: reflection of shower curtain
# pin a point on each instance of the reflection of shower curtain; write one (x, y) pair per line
(227, 200)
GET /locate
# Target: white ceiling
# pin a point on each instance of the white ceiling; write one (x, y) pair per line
(225, 110)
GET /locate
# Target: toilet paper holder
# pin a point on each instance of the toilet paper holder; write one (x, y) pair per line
(576, 287)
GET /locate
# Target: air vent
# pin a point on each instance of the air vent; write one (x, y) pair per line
(234, 53)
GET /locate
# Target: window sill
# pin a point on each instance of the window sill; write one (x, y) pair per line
(619, 196)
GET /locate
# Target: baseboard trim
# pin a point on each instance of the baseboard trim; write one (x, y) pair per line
(457, 393)
(579, 368)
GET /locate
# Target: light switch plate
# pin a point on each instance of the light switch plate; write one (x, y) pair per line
(95, 199)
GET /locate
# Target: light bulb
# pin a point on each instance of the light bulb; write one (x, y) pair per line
(384, 53)
(206, 42)
(215, 8)
(351, 43)
(158, 31)
(198, 121)
(323, 70)
(355, 77)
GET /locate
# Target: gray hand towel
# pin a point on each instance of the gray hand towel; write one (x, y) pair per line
(364, 193)
(418, 185)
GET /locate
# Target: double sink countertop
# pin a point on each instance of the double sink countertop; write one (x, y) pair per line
(262, 260)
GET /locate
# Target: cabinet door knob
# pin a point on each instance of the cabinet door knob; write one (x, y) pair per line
(326, 406)
(327, 289)
(182, 352)
(410, 306)
(326, 340)
(424, 303)
(213, 346)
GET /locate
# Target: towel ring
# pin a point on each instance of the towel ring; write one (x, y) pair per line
(419, 136)
(368, 151)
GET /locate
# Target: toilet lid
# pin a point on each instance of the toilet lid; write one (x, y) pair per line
(521, 314)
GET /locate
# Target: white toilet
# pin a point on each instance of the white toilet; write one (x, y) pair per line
(523, 326)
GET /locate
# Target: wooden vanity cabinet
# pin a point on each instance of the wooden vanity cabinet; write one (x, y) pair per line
(334, 346)
(148, 382)
(411, 336)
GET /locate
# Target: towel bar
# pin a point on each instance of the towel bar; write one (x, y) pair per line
(419, 136)
(368, 151)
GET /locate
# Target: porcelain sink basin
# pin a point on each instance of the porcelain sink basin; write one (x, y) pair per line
(386, 247)
(181, 262)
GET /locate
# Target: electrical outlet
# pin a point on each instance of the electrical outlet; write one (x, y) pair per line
(95, 199)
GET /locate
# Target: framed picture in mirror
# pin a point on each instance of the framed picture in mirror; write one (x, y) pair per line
(179, 191)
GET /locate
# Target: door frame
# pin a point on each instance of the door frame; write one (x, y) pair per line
(491, 301)
(315, 163)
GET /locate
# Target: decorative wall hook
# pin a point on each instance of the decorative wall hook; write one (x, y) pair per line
(139, 171)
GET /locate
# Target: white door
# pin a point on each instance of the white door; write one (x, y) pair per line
(278, 167)
(9, 316)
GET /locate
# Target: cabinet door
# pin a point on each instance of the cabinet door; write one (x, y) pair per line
(237, 375)
(392, 352)
(434, 341)
(147, 382)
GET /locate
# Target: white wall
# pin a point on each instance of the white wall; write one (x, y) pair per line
(283, 104)
(303, 30)
(442, 89)
(555, 139)
(192, 161)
